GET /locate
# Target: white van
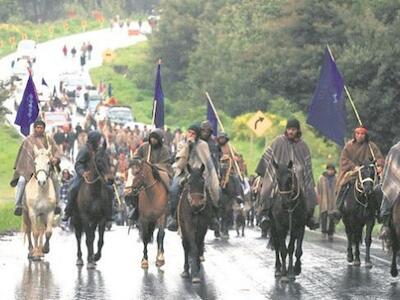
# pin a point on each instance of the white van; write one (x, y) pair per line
(26, 50)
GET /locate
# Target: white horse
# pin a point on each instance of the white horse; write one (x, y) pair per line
(39, 207)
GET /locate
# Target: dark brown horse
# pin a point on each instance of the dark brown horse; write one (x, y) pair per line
(152, 202)
(91, 209)
(194, 213)
(288, 217)
(360, 208)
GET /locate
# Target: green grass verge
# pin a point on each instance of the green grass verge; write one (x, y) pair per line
(9, 145)
(7, 219)
(11, 34)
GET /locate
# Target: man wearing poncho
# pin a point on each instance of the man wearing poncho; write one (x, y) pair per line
(285, 148)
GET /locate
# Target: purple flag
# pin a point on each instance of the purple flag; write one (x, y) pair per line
(44, 82)
(327, 111)
(28, 110)
(159, 99)
(212, 118)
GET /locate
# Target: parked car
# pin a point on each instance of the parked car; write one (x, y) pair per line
(73, 86)
(120, 115)
(88, 100)
(26, 50)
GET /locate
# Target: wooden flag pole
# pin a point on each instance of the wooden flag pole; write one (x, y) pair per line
(153, 119)
(352, 104)
(222, 127)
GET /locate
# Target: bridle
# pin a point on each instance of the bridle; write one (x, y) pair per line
(294, 199)
(142, 186)
(47, 173)
(99, 175)
(359, 185)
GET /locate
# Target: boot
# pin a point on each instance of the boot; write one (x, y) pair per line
(19, 196)
(338, 212)
(134, 213)
(312, 223)
(172, 223)
(214, 222)
(265, 221)
(68, 209)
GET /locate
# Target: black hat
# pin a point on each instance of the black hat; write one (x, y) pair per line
(330, 166)
(223, 135)
(94, 138)
(206, 125)
(196, 128)
(293, 123)
(157, 134)
(39, 123)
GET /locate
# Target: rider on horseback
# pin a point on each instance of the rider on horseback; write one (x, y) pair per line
(24, 163)
(194, 152)
(354, 154)
(390, 188)
(159, 157)
(226, 157)
(94, 142)
(285, 148)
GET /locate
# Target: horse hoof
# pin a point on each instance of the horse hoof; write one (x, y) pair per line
(284, 279)
(160, 263)
(185, 274)
(356, 263)
(79, 262)
(202, 259)
(278, 274)
(196, 279)
(91, 266)
(292, 276)
(36, 258)
(46, 249)
(394, 272)
(97, 257)
(368, 265)
(145, 264)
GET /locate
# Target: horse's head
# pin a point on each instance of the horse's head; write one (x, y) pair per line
(196, 192)
(137, 170)
(284, 176)
(287, 187)
(366, 177)
(42, 165)
(102, 163)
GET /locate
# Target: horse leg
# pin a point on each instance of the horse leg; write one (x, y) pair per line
(78, 235)
(36, 253)
(193, 257)
(89, 231)
(368, 241)
(283, 252)
(292, 241)
(299, 252)
(28, 233)
(160, 261)
(357, 241)
(395, 247)
(349, 235)
(49, 232)
(185, 273)
(100, 242)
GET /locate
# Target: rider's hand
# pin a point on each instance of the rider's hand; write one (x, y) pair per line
(86, 174)
(54, 161)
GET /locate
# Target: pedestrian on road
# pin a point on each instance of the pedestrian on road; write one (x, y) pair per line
(83, 61)
(89, 49)
(73, 52)
(109, 90)
(327, 200)
(65, 50)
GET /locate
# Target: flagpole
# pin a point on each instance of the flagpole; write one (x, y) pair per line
(153, 119)
(352, 104)
(222, 127)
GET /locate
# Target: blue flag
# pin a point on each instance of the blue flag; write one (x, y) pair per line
(28, 110)
(327, 111)
(159, 101)
(212, 118)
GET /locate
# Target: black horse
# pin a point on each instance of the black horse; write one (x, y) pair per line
(360, 207)
(288, 217)
(194, 213)
(91, 208)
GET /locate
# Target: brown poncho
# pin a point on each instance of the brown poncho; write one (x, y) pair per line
(24, 163)
(282, 150)
(353, 155)
(391, 175)
(326, 193)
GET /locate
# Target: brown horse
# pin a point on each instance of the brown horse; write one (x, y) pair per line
(194, 213)
(91, 209)
(152, 204)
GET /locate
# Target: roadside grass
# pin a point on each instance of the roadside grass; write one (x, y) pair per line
(11, 34)
(8, 222)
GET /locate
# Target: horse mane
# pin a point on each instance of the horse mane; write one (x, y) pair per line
(156, 173)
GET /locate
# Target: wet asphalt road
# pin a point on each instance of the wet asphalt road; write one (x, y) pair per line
(239, 268)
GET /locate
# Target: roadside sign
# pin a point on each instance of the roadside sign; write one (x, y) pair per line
(259, 123)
